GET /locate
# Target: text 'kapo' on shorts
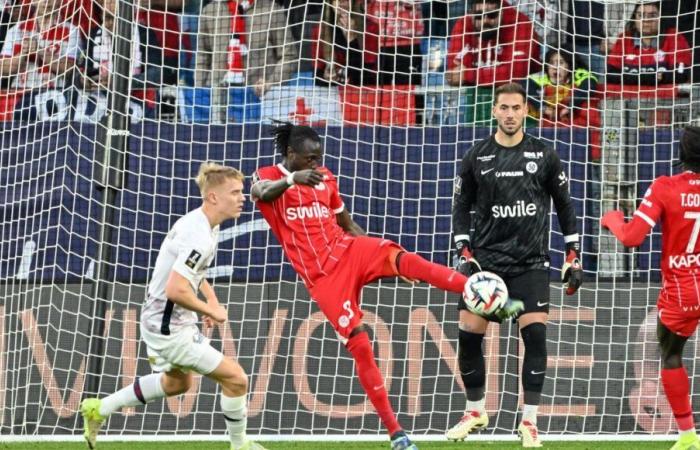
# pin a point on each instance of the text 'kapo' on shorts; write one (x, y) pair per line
(186, 350)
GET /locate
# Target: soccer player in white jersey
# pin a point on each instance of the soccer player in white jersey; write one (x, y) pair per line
(675, 202)
(169, 318)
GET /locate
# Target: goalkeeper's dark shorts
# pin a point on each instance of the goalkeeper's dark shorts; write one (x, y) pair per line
(530, 287)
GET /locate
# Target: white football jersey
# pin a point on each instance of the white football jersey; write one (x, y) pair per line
(188, 249)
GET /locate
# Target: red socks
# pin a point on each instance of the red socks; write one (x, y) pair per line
(416, 268)
(677, 390)
(372, 381)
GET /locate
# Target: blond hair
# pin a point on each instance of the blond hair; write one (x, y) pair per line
(212, 174)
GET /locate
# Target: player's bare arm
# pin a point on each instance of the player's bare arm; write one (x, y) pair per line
(630, 234)
(350, 226)
(208, 292)
(268, 191)
(179, 291)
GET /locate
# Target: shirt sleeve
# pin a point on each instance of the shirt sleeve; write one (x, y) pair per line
(464, 197)
(192, 258)
(651, 208)
(259, 176)
(557, 185)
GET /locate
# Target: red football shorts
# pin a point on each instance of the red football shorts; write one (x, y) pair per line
(338, 294)
(680, 318)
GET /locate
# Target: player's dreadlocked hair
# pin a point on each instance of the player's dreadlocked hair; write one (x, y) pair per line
(289, 135)
(690, 148)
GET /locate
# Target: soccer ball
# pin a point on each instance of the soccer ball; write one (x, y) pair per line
(485, 293)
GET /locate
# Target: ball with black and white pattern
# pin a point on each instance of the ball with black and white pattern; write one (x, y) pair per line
(485, 293)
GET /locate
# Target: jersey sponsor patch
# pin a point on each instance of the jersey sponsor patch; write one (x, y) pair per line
(531, 167)
(562, 178)
(193, 259)
(509, 173)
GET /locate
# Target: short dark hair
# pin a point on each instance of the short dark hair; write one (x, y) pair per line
(289, 135)
(510, 88)
(689, 154)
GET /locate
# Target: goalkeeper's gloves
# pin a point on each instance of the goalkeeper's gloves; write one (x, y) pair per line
(511, 309)
(466, 263)
(572, 271)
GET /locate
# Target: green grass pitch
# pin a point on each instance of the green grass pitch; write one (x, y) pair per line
(301, 445)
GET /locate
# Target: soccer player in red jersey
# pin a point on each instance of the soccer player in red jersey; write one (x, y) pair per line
(674, 200)
(299, 199)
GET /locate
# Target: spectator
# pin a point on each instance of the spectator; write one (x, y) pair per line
(273, 55)
(346, 45)
(493, 45)
(559, 94)
(587, 29)
(162, 17)
(12, 12)
(643, 56)
(400, 27)
(220, 52)
(145, 60)
(40, 51)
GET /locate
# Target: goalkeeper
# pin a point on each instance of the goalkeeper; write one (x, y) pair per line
(508, 181)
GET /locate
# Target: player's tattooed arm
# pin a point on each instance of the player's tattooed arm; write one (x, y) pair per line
(346, 223)
(268, 191)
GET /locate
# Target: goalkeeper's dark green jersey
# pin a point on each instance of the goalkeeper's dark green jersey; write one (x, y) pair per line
(509, 189)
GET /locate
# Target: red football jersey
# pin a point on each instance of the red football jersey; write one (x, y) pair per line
(676, 202)
(512, 55)
(673, 52)
(303, 221)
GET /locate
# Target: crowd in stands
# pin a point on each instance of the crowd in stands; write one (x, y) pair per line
(260, 45)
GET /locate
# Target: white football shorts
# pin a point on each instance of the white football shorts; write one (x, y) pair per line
(185, 350)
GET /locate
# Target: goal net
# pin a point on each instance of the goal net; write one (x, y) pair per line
(108, 108)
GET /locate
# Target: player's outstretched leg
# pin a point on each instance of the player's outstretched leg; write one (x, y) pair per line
(473, 371)
(415, 267)
(145, 389)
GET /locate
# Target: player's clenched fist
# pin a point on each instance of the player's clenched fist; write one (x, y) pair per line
(218, 314)
(309, 177)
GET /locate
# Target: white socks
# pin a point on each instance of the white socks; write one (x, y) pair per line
(479, 406)
(144, 390)
(235, 416)
(530, 413)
